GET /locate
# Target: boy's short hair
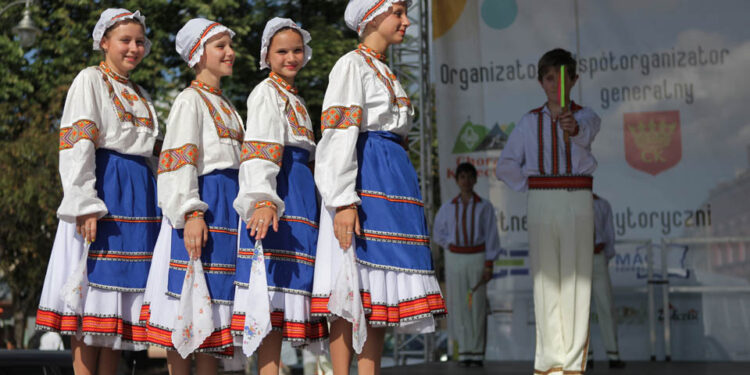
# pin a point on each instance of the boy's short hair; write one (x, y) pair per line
(466, 168)
(554, 59)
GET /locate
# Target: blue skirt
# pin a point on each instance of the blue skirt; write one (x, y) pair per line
(120, 257)
(218, 189)
(394, 231)
(290, 252)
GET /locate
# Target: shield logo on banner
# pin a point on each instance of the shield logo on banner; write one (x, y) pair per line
(653, 140)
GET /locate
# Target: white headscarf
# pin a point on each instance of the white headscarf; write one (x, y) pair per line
(192, 37)
(360, 12)
(112, 16)
(273, 26)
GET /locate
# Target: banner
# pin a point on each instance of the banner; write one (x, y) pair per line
(667, 78)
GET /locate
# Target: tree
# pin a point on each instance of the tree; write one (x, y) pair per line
(35, 82)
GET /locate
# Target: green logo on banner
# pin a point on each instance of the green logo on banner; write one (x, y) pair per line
(476, 137)
(469, 137)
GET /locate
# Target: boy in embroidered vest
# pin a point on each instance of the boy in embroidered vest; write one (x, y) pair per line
(601, 284)
(549, 154)
(466, 227)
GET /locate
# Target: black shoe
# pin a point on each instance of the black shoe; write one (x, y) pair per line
(477, 363)
(464, 363)
(590, 364)
(616, 363)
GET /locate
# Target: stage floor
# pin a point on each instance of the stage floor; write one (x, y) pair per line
(526, 368)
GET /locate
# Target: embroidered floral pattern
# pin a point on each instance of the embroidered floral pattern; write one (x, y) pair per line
(194, 321)
(277, 78)
(262, 150)
(106, 69)
(205, 86)
(371, 52)
(123, 114)
(291, 117)
(225, 109)
(257, 321)
(338, 117)
(176, 158)
(221, 128)
(388, 80)
(301, 110)
(130, 98)
(403, 102)
(82, 129)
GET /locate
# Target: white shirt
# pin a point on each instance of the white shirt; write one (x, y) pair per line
(469, 224)
(204, 134)
(520, 157)
(276, 117)
(604, 230)
(362, 95)
(102, 110)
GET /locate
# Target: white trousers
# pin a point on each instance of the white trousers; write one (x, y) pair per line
(601, 295)
(467, 325)
(561, 233)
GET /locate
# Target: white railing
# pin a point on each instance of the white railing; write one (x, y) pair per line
(666, 244)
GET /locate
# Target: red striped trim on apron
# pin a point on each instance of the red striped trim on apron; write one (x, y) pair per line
(380, 314)
(107, 255)
(278, 256)
(218, 340)
(290, 331)
(145, 314)
(111, 326)
(206, 267)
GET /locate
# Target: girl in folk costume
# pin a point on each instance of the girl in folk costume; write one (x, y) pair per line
(108, 216)
(277, 192)
(373, 206)
(190, 289)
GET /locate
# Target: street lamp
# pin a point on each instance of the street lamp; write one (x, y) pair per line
(26, 30)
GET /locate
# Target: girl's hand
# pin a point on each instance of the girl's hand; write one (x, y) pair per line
(86, 226)
(262, 218)
(345, 225)
(195, 235)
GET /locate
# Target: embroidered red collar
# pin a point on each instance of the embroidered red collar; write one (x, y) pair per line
(199, 84)
(277, 78)
(117, 77)
(371, 52)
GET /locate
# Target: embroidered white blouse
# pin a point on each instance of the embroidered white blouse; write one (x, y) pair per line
(276, 117)
(520, 157)
(362, 95)
(468, 225)
(204, 134)
(102, 110)
(604, 230)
